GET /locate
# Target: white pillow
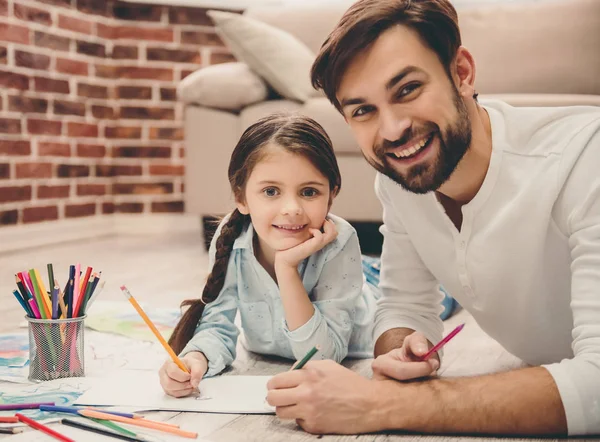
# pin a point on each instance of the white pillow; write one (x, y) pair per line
(229, 86)
(279, 57)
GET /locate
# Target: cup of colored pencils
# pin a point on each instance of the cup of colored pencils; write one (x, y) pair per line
(56, 320)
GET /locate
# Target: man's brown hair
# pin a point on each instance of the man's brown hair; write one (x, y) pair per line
(435, 21)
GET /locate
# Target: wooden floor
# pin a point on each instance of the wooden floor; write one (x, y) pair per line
(165, 269)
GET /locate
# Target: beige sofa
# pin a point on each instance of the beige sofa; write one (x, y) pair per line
(532, 53)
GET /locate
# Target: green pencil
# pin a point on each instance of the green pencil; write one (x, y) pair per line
(306, 358)
(114, 426)
(51, 283)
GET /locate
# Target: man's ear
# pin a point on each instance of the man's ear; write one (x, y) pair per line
(242, 208)
(464, 72)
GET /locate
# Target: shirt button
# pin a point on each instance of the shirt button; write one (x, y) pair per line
(463, 244)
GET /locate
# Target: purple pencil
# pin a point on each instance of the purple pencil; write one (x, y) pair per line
(23, 406)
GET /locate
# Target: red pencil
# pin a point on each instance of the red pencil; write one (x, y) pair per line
(9, 419)
(43, 428)
(442, 342)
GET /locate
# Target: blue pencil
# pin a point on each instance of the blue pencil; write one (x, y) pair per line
(75, 410)
(25, 307)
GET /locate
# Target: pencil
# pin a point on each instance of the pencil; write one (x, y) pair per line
(139, 423)
(50, 275)
(40, 297)
(442, 342)
(10, 430)
(306, 358)
(43, 428)
(82, 291)
(18, 296)
(43, 293)
(85, 427)
(76, 288)
(9, 419)
(25, 406)
(154, 329)
(22, 288)
(113, 426)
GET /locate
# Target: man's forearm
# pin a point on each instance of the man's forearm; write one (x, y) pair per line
(521, 402)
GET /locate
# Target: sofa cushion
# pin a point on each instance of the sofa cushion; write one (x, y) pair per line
(320, 110)
(279, 57)
(228, 86)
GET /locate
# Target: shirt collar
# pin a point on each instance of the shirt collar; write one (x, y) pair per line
(245, 240)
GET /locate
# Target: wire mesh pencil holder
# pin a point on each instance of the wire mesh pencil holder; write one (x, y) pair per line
(56, 348)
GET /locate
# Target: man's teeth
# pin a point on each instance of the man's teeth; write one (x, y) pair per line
(411, 150)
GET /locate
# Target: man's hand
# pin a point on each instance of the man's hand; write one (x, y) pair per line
(176, 382)
(404, 363)
(324, 397)
(293, 256)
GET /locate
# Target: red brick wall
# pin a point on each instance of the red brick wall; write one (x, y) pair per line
(89, 122)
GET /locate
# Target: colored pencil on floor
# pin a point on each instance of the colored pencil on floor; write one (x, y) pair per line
(43, 428)
(10, 430)
(9, 419)
(140, 423)
(24, 406)
(93, 429)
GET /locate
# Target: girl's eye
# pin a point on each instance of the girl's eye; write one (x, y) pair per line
(309, 192)
(270, 191)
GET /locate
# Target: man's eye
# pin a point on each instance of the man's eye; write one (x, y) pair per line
(270, 191)
(407, 90)
(310, 192)
(362, 111)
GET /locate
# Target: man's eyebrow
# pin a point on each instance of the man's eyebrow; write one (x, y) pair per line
(400, 75)
(390, 84)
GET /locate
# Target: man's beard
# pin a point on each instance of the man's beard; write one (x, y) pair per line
(427, 177)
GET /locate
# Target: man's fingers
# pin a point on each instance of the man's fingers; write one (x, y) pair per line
(289, 379)
(289, 412)
(416, 344)
(282, 398)
(403, 371)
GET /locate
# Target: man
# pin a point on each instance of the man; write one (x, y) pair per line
(500, 205)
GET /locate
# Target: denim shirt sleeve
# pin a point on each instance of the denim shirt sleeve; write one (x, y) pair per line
(335, 297)
(216, 335)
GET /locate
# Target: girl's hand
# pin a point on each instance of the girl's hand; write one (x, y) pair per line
(293, 256)
(178, 383)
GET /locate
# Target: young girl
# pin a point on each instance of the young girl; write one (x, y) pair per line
(292, 270)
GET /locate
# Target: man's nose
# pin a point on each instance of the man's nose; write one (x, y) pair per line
(392, 126)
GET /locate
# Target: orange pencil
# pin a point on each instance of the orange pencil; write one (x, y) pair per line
(139, 423)
(154, 329)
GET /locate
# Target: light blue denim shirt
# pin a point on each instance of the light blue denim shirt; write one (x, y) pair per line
(342, 324)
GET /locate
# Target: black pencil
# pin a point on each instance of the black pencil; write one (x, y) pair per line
(81, 426)
(10, 430)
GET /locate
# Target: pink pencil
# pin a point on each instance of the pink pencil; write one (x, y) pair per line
(76, 289)
(442, 342)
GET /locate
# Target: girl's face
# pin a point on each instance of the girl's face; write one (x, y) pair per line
(285, 195)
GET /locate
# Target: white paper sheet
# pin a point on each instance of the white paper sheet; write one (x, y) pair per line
(222, 394)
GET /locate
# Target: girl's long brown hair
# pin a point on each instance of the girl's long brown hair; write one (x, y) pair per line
(292, 132)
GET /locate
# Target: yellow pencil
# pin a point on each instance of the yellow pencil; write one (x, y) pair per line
(154, 329)
(45, 297)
